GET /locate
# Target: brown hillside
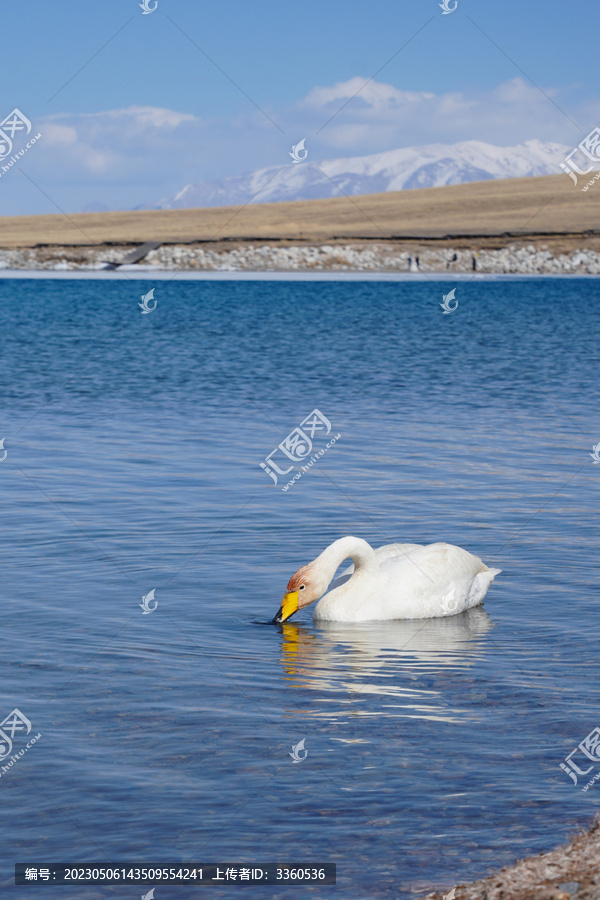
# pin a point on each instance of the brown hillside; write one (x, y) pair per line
(517, 207)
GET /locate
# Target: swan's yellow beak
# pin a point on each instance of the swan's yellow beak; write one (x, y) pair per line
(289, 605)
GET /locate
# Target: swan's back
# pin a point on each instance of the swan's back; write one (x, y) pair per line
(383, 554)
(413, 582)
(396, 551)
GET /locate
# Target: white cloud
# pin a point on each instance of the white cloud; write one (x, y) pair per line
(125, 157)
(119, 144)
(379, 116)
(151, 116)
(59, 134)
(373, 94)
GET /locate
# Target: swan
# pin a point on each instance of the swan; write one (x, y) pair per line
(397, 581)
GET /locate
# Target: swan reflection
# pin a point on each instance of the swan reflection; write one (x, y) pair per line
(388, 659)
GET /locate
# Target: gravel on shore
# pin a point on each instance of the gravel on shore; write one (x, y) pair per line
(570, 872)
(527, 259)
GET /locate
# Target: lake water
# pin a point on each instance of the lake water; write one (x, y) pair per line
(134, 445)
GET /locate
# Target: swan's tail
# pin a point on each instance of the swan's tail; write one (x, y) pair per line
(481, 583)
(494, 572)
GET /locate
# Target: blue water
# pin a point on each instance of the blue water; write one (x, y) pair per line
(133, 448)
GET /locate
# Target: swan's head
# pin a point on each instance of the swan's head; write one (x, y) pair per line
(304, 587)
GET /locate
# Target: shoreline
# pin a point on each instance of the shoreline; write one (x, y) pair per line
(136, 273)
(556, 256)
(569, 872)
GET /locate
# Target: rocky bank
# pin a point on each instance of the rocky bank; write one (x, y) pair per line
(570, 872)
(528, 259)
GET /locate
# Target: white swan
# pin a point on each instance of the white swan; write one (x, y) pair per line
(398, 581)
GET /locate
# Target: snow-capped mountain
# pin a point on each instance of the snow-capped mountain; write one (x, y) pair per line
(434, 165)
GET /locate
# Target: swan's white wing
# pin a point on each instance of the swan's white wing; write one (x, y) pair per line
(413, 582)
(396, 551)
(389, 551)
(435, 580)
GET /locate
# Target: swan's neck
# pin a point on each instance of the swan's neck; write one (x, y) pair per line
(361, 553)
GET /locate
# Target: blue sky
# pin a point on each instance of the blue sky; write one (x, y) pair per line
(149, 112)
